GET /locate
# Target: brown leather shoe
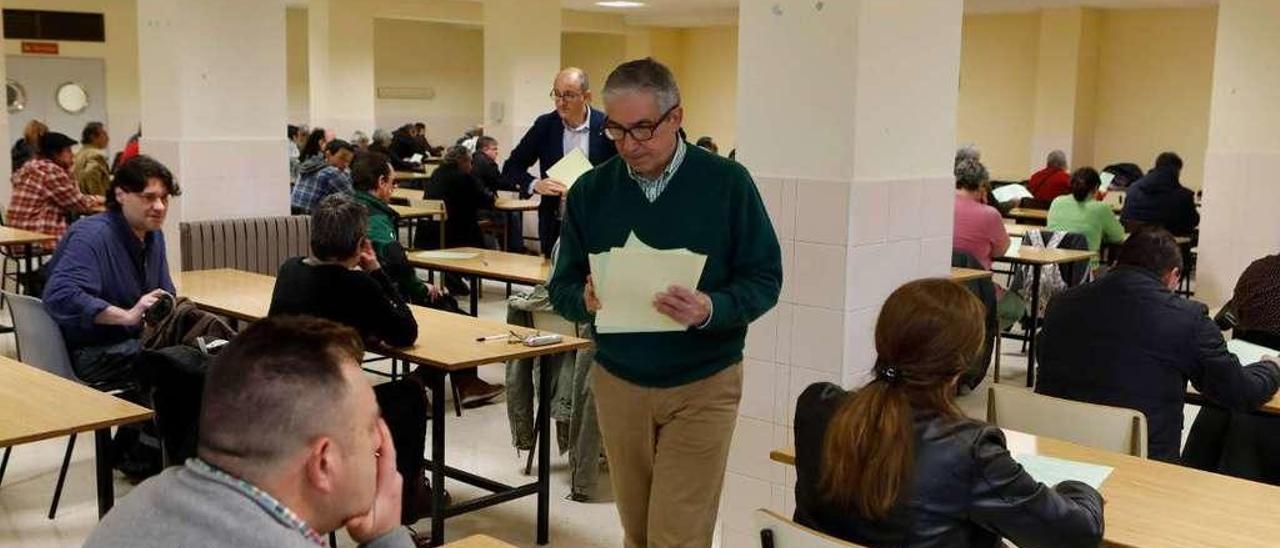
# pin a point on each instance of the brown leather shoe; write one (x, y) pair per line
(478, 392)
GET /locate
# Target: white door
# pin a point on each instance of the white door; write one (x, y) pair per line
(64, 93)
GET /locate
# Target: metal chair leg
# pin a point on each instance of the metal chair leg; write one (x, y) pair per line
(5, 463)
(457, 397)
(62, 476)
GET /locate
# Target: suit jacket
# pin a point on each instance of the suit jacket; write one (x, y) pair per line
(1089, 350)
(463, 197)
(544, 143)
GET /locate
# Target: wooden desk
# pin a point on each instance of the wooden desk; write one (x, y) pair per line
(1037, 259)
(508, 204)
(1018, 230)
(961, 275)
(410, 175)
(1151, 503)
(420, 209)
(479, 541)
(1029, 216)
(27, 239)
(35, 405)
(446, 342)
(488, 265)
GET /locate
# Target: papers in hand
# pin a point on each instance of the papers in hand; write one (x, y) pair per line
(1106, 178)
(569, 168)
(1051, 471)
(446, 255)
(627, 278)
(416, 158)
(1009, 193)
(1247, 352)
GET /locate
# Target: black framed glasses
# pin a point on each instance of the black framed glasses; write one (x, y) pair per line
(566, 96)
(640, 132)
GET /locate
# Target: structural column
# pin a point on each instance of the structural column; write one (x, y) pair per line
(1066, 80)
(6, 163)
(215, 115)
(521, 58)
(340, 66)
(855, 167)
(1238, 220)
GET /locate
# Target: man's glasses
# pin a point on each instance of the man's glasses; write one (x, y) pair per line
(569, 96)
(640, 132)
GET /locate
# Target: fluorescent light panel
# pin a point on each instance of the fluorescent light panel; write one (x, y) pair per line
(620, 4)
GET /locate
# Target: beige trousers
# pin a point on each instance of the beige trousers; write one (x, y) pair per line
(667, 450)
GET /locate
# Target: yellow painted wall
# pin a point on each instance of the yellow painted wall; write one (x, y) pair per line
(296, 64)
(1155, 77)
(998, 89)
(594, 52)
(449, 59)
(708, 78)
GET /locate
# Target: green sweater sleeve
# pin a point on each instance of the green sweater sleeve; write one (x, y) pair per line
(571, 264)
(755, 264)
(1112, 230)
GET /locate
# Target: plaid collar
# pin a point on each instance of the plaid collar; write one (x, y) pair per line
(269, 503)
(653, 188)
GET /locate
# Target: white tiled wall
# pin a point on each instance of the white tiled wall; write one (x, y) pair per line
(846, 245)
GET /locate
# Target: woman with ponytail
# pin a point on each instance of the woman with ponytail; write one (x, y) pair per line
(1080, 213)
(897, 464)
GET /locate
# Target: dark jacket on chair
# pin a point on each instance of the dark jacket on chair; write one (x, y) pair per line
(966, 489)
(463, 197)
(544, 144)
(1159, 199)
(1125, 340)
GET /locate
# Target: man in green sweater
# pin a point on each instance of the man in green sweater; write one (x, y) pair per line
(667, 402)
(373, 181)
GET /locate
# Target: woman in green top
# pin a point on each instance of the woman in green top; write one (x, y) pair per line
(1079, 212)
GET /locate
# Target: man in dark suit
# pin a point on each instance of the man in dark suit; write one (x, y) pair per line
(573, 124)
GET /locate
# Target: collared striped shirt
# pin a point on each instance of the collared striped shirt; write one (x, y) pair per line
(653, 188)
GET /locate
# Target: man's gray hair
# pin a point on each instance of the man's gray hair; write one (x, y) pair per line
(1057, 158)
(382, 137)
(970, 174)
(644, 75)
(584, 83)
(338, 224)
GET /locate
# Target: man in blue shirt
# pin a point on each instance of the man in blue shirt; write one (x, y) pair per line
(319, 178)
(109, 269)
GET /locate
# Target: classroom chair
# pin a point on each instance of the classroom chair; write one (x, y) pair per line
(40, 345)
(779, 532)
(1100, 426)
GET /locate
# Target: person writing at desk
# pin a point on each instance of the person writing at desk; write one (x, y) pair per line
(574, 124)
(896, 463)
(667, 402)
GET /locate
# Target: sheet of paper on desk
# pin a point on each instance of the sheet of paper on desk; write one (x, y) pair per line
(416, 158)
(1248, 352)
(570, 167)
(445, 255)
(1051, 471)
(1106, 177)
(1015, 243)
(1009, 193)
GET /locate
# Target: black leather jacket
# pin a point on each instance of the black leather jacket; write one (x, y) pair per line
(967, 490)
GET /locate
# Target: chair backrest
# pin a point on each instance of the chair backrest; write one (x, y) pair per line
(1100, 426)
(779, 532)
(257, 244)
(38, 337)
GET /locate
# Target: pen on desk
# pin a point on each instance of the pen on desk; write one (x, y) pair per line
(491, 338)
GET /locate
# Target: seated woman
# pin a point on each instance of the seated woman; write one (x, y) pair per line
(1257, 303)
(896, 463)
(1080, 213)
(979, 231)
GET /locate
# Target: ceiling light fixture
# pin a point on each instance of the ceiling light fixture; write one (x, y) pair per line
(620, 4)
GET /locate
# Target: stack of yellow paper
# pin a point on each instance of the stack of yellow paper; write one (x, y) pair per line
(570, 167)
(627, 279)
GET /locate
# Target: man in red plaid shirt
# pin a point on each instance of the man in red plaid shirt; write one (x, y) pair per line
(44, 192)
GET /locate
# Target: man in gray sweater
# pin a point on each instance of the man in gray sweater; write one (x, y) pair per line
(291, 447)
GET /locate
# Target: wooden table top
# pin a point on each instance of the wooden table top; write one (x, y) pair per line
(508, 204)
(420, 211)
(407, 175)
(35, 405)
(478, 541)
(407, 194)
(962, 275)
(17, 236)
(1151, 503)
(1016, 229)
(445, 340)
(1027, 213)
(1031, 255)
(491, 265)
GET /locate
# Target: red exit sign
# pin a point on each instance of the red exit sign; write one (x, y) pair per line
(42, 48)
